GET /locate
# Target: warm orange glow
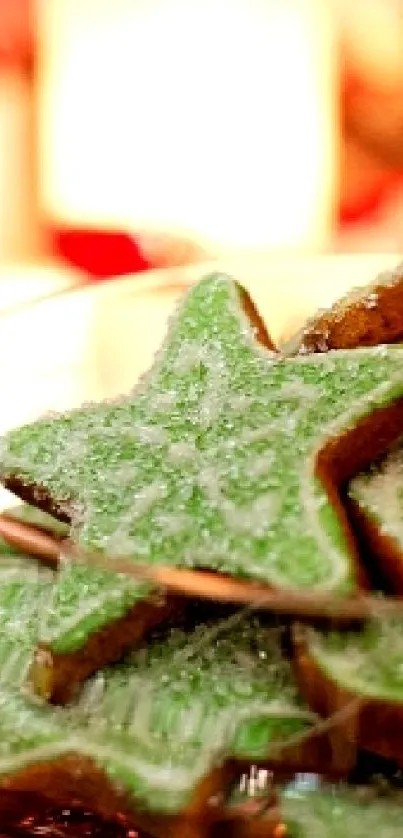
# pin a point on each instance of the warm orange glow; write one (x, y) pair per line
(208, 118)
(18, 232)
(379, 55)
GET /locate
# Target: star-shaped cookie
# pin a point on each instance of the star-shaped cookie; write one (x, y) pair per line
(226, 457)
(154, 734)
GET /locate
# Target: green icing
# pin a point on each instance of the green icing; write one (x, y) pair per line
(25, 587)
(209, 462)
(368, 662)
(379, 494)
(81, 602)
(180, 705)
(160, 721)
(341, 813)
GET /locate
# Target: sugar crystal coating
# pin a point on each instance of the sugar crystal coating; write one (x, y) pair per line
(210, 462)
(158, 722)
(340, 812)
(368, 662)
(379, 493)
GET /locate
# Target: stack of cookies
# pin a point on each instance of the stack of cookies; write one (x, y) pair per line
(273, 477)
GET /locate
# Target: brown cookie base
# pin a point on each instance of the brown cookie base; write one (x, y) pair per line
(370, 318)
(250, 821)
(373, 317)
(25, 814)
(345, 456)
(261, 333)
(374, 725)
(76, 782)
(55, 677)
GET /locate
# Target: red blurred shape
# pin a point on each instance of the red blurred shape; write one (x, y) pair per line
(17, 36)
(101, 254)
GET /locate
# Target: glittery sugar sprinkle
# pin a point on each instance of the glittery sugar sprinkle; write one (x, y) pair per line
(227, 691)
(337, 812)
(209, 462)
(367, 662)
(379, 492)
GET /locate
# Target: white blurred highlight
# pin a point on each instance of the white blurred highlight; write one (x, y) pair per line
(214, 119)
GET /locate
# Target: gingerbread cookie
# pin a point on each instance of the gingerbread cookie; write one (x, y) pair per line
(152, 736)
(361, 669)
(339, 668)
(368, 316)
(225, 457)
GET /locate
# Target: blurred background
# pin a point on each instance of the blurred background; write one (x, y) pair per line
(148, 133)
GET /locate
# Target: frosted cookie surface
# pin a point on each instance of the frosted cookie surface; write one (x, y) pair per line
(367, 662)
(379, 494)
(362, 672)
(338, 813)
(158, 723)
(210, 462)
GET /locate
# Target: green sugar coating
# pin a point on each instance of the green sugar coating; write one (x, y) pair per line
(24, 726)
(208, 463)
(160, 721)
(379, 494)
(178, 706)
(25, 587)
(367, 662)
(341, 813)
